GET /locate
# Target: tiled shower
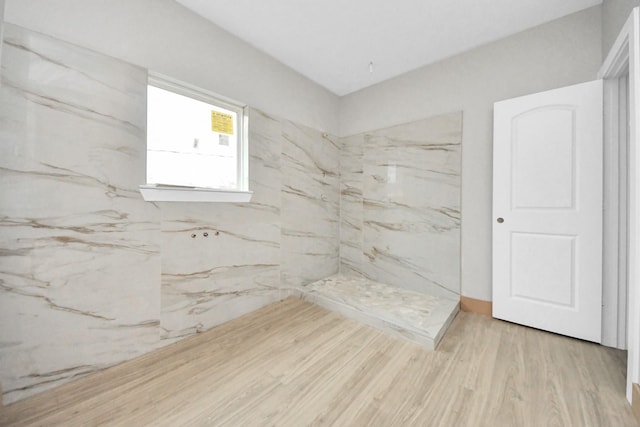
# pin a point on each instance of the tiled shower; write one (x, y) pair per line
(91, 275)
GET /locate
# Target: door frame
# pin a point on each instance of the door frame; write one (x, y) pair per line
(615, 221)
(623, 58)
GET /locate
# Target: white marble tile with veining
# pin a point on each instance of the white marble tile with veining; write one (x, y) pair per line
(91, 275)
(351, 208)
(310, 205)
(79, 248)
(235, 269)
(410, 186)
(265, 161)
(209, 280)
(415, 316)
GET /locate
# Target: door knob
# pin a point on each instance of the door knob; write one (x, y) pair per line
(500, 220)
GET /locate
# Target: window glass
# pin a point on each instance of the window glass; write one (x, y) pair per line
(192, 143)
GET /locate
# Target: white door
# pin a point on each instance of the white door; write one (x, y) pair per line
(547, 206)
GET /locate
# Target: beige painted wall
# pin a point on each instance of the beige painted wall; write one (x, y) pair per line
(560, 53)
(164, 36)
(614, 15)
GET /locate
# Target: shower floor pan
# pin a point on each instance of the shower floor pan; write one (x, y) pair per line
(414, 316)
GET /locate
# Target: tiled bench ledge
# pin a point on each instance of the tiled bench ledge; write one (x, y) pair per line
(414, 316)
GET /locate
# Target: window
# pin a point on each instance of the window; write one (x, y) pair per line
(196, 145)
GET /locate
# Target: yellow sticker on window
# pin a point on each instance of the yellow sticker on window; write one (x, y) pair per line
(221, 122)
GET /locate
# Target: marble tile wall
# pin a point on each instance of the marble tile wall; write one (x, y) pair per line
(90, 274)
(310, 205)
(235, 270)
(286, 237)
(400, 205)
(351, 205)
(79, 248)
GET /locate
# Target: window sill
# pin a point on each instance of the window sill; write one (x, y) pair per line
(154, 193)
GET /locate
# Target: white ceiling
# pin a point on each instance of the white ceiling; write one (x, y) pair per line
(332, 42)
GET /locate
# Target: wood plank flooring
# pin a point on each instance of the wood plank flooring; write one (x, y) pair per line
(296, 364)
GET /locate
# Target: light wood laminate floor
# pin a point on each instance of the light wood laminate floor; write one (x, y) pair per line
(296, 364)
